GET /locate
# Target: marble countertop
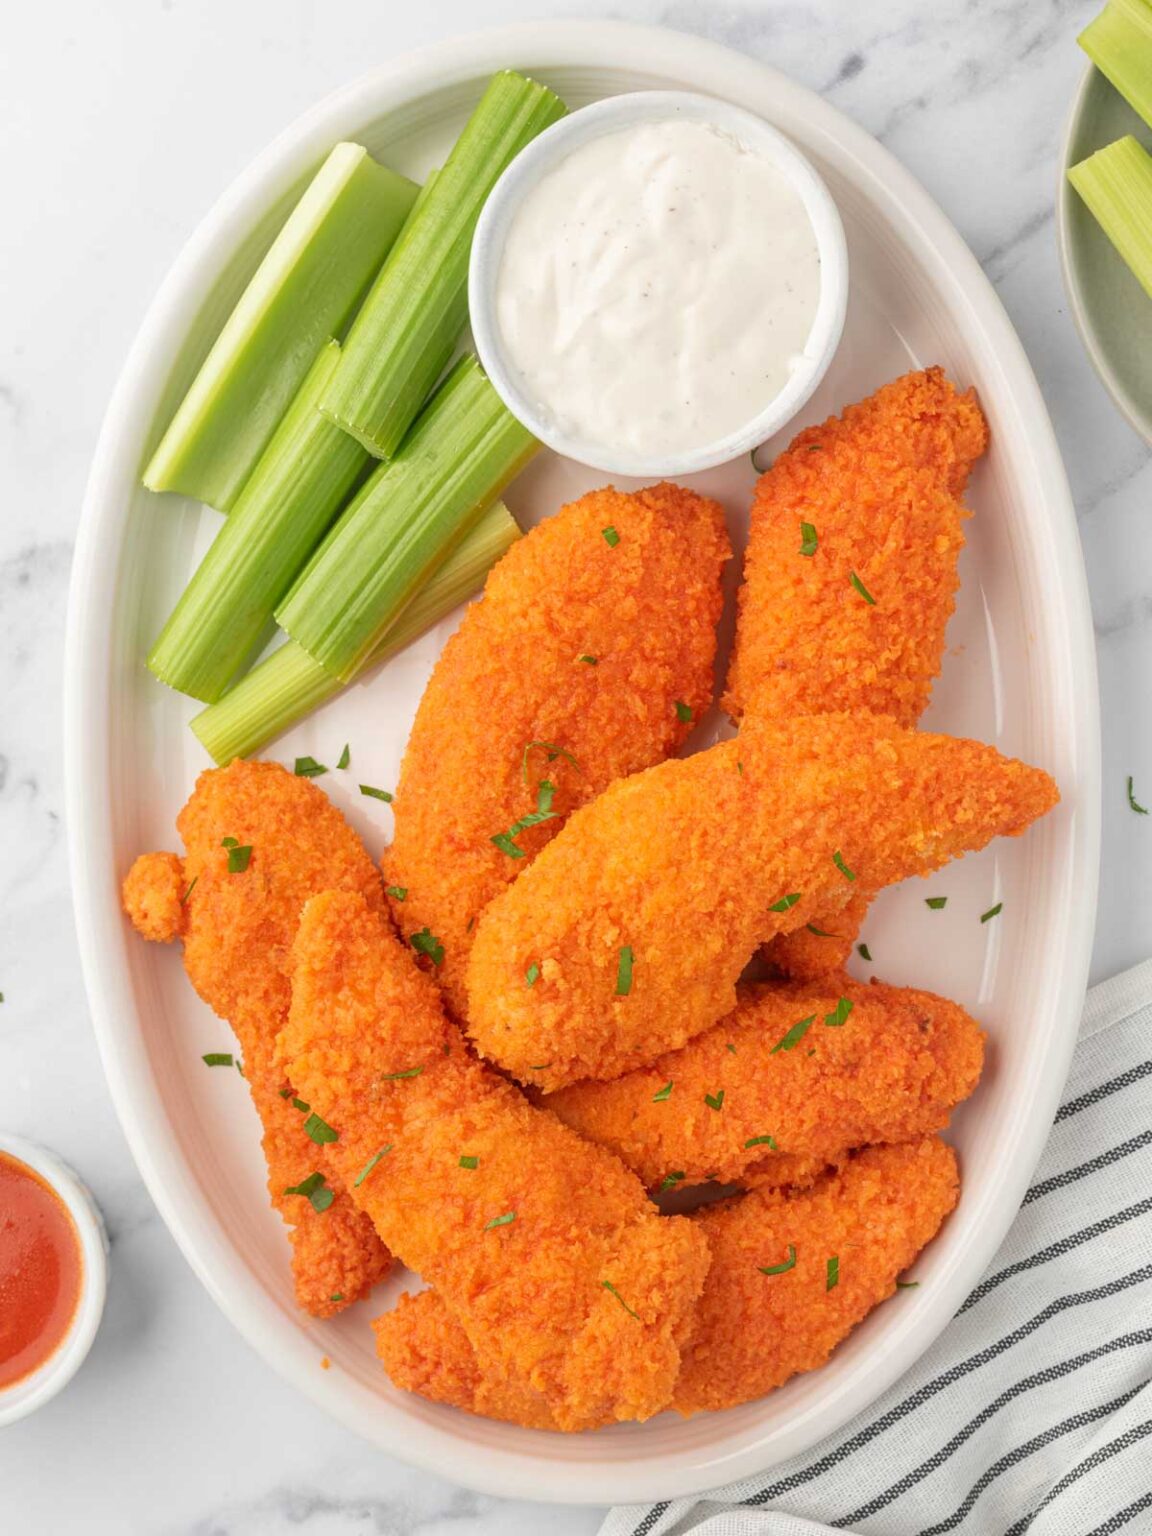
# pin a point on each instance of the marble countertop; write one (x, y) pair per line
(122, 120)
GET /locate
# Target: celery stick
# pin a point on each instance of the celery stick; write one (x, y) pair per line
(302, 480)
(411, 320)
(289, 685)
(1116, 184)
(306, 288)
(1119, 43)
(461, 453)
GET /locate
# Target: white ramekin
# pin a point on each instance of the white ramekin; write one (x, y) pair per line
(609, 116)
(33, 1391)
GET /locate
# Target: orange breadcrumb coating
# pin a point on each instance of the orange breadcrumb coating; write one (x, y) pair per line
(152, 891)
(893, 1070)
(754, 1331)
(547, 1251)
(424, 1350)
(680, 868)
(645, 609)
(238, 931)
(880, 485)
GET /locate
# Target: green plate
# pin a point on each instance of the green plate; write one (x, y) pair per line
(1111, 310)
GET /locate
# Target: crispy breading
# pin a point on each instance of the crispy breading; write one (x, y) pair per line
(602, 650)
(238, 931)
(425, 1350)
(793, 1063)
(643, 912)
(545, 1248)
(754, 1331)
(881, 486)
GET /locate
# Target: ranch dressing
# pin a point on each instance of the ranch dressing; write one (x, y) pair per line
(657, 288)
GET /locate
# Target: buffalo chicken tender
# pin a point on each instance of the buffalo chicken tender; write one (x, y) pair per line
(800, 1071)
(792, 1274)
(546, 1249)
(640, 916)
(877, 491)
(588, 658)
(238, 925)
(831, 1253)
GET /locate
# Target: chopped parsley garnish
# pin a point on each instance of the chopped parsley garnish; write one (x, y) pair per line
(319, 1130)
(715, 1100)
(864, 952)
(762, 1141)
(370, 1164)
(862, 589)
(301, 1106)
(819, 932)
(532, 975)
(937, 903)
(397, 892)
(553, 752)
(992, 912)
(543, 812)
(239, 859)
(780, 1269)
(315, 1190)
(345, 757)
(336, 1296)
(683, 711)
(229, 842)
(907, 1285)
(308, 768)
(189, 890)
(671, 1179)
(500, 1221)
(785, 902)
(394, 1077)
(591, 661)
(730, 1047)
(794, 1035)
(838, 860)
(541, 1066)
(740, 769)
(665, 1092)
(832, 1273)
(624, 971)
(1141, 810)
(376, 794)
(285, 1093)
(217, 1059)
(469, 1162)
(839, 1014)
(808, 540)
(608, 1286)
(426, 943)
(240, 1067)
(611, 537)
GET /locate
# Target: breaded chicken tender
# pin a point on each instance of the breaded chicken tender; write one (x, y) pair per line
(640, 916)
(546, 1249)
(753, 1330)
(238, 930)
(852, 1235)
(880, 487)
(588, 658)
(799, 1071)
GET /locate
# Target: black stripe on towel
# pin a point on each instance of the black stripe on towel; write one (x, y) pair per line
(1094, 1095)
(1102, 1454)
(1072, 1175)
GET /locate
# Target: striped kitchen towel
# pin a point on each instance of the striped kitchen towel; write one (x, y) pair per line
(1033, 1410)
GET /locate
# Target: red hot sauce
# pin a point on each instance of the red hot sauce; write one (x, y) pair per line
(40, 1270)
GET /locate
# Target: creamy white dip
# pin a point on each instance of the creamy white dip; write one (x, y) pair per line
(657, 287)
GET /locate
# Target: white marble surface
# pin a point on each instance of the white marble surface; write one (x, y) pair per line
(120, 121)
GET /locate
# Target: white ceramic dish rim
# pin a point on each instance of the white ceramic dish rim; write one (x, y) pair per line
(1065, 193)
(89, 714)
(593, 122)
(24, 1397)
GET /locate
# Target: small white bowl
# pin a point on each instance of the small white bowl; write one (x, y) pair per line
(555, 145)
(34, 1390)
